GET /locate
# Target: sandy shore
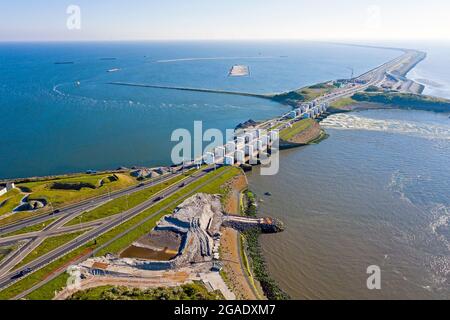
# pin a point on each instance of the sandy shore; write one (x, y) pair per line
(230, 246)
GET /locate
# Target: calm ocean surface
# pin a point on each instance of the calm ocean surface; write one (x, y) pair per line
(50, 125)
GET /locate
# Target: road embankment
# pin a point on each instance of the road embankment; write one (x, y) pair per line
(234, 273)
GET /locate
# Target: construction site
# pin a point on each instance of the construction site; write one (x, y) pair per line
(183, 247)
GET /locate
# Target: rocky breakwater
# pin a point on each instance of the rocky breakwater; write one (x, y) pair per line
(264, 225)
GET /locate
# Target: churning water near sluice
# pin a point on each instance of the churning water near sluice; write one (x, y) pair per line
(376, 192)
(417, 128)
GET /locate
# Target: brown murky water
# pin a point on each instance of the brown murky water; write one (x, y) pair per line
(148, 254)
(159, 245)
(377, 192)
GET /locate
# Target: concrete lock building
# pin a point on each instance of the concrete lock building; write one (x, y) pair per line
(273, 136)
(249, 150)
(239, 156)
(230, 147)
(209, 158)
(219, 152)
(229, 161)
(259, 145)
(292, 115)
(248, 137)
(265, 140)
(260, 133)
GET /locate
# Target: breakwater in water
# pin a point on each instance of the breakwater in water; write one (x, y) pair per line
(237, 93)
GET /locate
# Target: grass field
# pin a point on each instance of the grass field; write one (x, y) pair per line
(45, 189)
(304, 94)
(296, 128)
(405, 100)
(47, 246)
(344, 102)
(126, 202)
(10, 200)
(193, 291)
(65, 191)
(47, 291)
(312, 92)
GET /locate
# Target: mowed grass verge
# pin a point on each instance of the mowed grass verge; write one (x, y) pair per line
(47, 291)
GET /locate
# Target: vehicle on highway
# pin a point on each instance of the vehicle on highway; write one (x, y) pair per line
(158, 199)
(22, 273)
(182, 185)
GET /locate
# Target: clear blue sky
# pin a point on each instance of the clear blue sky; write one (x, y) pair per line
(226, 19)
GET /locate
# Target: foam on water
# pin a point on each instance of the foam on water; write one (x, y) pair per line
(356, 121)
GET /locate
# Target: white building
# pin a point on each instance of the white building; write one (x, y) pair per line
(248, 137)
(239, 156)
(259, 144)
(228, 161)
(209, 158)
(219, 152)
(5, 188)
(292, 115)
(265, 140)
(240, 141)
(260, 133)
(274, 136)
(230, 147)
(249, 150)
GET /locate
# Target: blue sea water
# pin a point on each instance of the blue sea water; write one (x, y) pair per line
(51, 125)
